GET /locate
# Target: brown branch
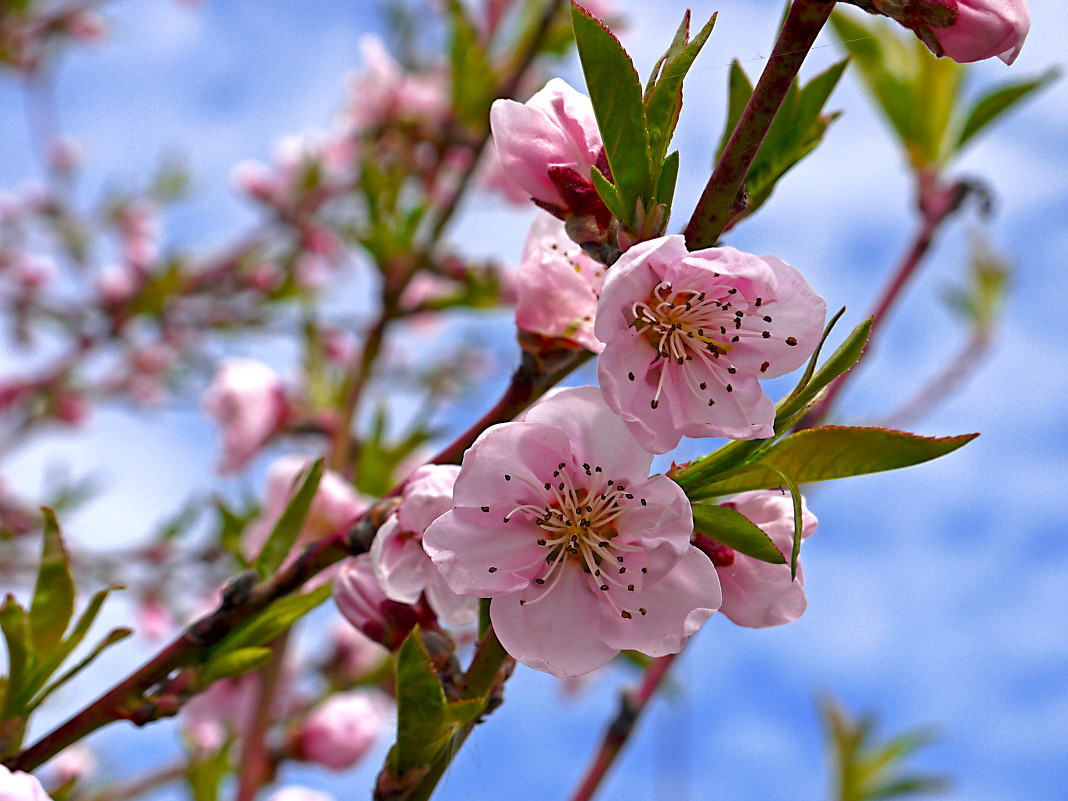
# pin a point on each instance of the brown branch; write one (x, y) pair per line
(631, 706)
(719, 201)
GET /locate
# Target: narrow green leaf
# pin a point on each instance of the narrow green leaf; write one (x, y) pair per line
(665, 184)
(664, 102)
(460, 713)
(53, 596)
(286, 531)
(795, 501)
(735, 530)
(935, 86)
(45, 668)
(205, 776)
(112, 637)
(682, 36)
(999, 100)
(616, 94)
(233, 663)
(272, 621)
(421, 710)
(844, 357)
(14, 622)
(830, 452)
(608, 193)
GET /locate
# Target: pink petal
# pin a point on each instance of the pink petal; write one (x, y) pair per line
(985, 28)
(676, 606)
(555, 634)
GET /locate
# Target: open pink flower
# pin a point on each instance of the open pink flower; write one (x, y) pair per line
(984, 29)
(688, 335)
(756, 593)
(402, 566)
(557, 520)
(248, 401)
(341, 730)
(548, 146)
(558, 286)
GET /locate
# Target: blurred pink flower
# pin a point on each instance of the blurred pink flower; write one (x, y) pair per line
(354, 654)
(75, 762)
(341, 730)
(384, 94)
(403, 568)
(297, 793)
(19, 786)
(558, 286)
(248, 401)
(223, 709)
(557, 520)
(984, 29)
(548, 146)
(756, 593)
(688, 335)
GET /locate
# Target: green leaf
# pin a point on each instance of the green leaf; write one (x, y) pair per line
(733, 529)
(798, 128)
(935, 87)
(53, 596)
(460, 713)
(682, 36)
(473, 81)
(608, 193)
(422, 725)
(286, 531)
(665, 184)
(272, 621)
(205, 776)
(45, 668)
(112, 637)
(664, 102)
(233, 663)
(997, 101)
(795, 502)
(616, 94)
(739, 90)
(14, 622)
(830, 452)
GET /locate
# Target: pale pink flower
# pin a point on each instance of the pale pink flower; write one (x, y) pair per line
(363, 602)
(19, 786)
(117, 284)
(688, 335)
(341, 730)
(337, 504)
(65, 155)
(549, 145)
(224, 708)
(75, 762)
(248, 401)
(756, 593)
(558, 286)
(383, 93)
(984, 29)
(557, 520)
(402, 566)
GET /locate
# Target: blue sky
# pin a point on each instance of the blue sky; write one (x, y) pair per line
(936, 595)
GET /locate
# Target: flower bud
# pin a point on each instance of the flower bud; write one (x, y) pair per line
(363, 602)
(340, 731)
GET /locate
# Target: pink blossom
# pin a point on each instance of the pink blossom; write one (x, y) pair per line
(337, 504)
(557, 520)
(756, 593)
(360, 598)
(402, 566)
(549, 145)
(19, 786)
(688, 335)
(223, 708)
(75, 762)
(985, 28)
(248, 401)
(558, 286)
(384, 93)
(341, 730)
